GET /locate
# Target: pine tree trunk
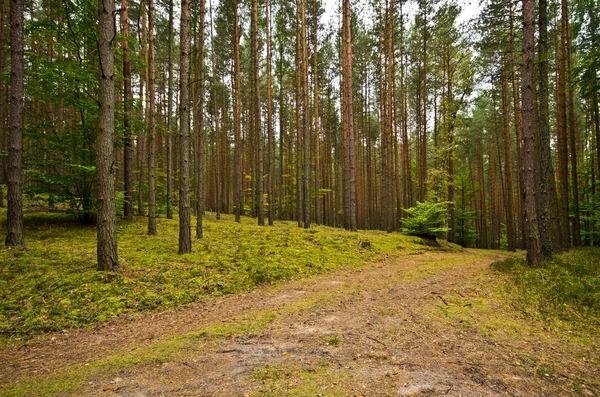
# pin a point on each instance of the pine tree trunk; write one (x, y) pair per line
(3, 104)
(518, 132)
(561, 130)
(257, 119)
(14, 235)
(107, 216)
(509, 200)
(318, 210)
(127, 114)
(199, 153)
(185, 225)
(170, 114)
(141, 144)
(305, 120)
(152, 124)
(532, 242)
(572, 134)
(299, 194)
(237, 169)
(347, 106)
(271, 139)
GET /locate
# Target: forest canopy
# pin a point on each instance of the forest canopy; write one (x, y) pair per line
(285, 110)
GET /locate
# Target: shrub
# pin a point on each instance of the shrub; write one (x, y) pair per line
(426, 219)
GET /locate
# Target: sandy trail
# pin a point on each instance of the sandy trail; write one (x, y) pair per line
(402, 327)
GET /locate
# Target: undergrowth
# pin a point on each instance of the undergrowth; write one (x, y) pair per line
(52, 283)
(566, 287)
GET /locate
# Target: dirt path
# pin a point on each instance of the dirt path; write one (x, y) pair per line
(419, 325)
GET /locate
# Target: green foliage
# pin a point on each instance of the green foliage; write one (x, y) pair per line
(566, 287)
(53, 283)
(426, 219)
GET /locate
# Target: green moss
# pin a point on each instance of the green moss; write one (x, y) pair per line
(293, 379)
(53, 284)
(566, 287)
(73, 378)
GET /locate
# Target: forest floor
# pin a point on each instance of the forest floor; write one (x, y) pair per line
(430, 323)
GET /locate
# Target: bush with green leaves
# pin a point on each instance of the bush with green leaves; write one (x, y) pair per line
(426, 219)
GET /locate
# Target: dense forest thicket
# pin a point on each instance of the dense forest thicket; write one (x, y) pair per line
(266, 108)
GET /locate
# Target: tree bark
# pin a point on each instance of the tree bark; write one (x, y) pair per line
(3, 138)
(151, 124)
(305, 120)
(107, 214)
(271, 138)
(509, 196)
(347, 109)
(257, 119)
(185, 224)
(237, 169)
(14, 236)
(170, 43)
(532, 242)
(561, 130)
(127, 114)
(199, 153)
(141, 143)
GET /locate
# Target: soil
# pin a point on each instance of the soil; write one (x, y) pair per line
(401, 327)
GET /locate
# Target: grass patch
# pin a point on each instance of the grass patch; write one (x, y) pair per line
(294, 379)
(52, 283)
(73, 379)
(567, 287)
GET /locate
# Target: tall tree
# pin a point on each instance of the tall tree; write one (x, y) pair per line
(509, 196)
(532, 242)
(170, 43)
(271, 138)
(305, 118)
(151, 124)
(127, 114)
(14, 235)
(561, 128)
(185, 225)
(3, 104)
(257, 118)
(107, 215)
(199, 125)
(572, 134)
(317, 134)
(237, 142)
(348, 121)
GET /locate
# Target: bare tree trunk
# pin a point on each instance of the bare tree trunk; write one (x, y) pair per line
(199, 153)
(561, 130)
(107, 214)
(299, 196)
(318, 210)
(532, 242)
(271, 143)
(141, 144)
(305, 119)
(572, 134)
(14, 236)
(509, 201)
(423, 176)
(257, 118)
(127, 115)
(152, 124)
(550, 234)
(237, 169)
(3, 104)
(170, 42)
(518, 132)
(349, 161)
(185, 224)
